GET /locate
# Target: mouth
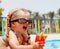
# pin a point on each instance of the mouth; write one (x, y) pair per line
(24, 27)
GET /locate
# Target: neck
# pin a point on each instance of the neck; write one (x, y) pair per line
(18, 33)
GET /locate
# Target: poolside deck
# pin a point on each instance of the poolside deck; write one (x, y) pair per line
(49, 36)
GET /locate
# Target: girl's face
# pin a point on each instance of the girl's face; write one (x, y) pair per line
(21, 24)
(21, 27)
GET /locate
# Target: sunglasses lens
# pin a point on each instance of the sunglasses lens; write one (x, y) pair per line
(22, 20)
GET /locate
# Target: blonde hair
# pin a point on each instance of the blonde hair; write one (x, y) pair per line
(12, 15)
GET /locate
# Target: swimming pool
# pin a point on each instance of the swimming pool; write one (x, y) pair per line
(52, 44)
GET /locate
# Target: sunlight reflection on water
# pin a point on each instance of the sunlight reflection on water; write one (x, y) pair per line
(52, 44)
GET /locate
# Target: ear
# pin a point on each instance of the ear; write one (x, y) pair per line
(12, 24)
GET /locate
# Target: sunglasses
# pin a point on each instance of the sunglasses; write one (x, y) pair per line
(22, 20)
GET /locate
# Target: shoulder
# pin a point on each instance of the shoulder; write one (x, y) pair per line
(11, 33)
(12, 37)
(2, 42)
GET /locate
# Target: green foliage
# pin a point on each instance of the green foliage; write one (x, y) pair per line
(0, 32)
(0, 26)
(1, 10)
(59, 11)
(29, 11)
(43, 15)
(0, 21)
(36, 15)
(51, 14)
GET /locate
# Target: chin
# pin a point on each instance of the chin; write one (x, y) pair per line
(25, 31)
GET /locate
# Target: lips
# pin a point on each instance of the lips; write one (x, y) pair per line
(24, 27)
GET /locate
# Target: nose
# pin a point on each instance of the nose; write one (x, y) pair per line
(27, 23)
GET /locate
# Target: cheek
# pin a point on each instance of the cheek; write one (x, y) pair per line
(18, 26)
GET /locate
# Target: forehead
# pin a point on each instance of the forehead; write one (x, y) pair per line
(21, 14)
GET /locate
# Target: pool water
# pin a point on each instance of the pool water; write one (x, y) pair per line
(52, 44)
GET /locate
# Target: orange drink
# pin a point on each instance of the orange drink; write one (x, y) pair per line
(41, 39)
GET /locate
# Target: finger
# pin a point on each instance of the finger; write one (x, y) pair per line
(7, 35)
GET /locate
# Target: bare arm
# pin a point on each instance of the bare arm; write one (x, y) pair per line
(13, 46)
(14, 43)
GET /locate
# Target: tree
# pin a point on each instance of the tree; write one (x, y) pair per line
(59, 12)
(1, 11)
(59, 18)
(51, 15)
(43, 15)
(36, 15)
(30, 11)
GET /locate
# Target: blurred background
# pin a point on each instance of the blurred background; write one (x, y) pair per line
(45, 15)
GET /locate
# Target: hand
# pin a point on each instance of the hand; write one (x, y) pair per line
(41, 43)
(36, 46)
(7, 37)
